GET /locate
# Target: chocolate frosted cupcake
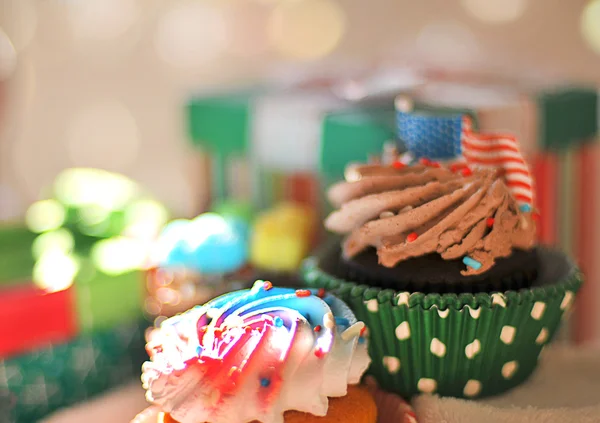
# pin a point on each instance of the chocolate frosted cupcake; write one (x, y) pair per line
(441, 263)
(431, 228)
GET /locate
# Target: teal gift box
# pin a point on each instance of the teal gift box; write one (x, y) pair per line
(39, 382)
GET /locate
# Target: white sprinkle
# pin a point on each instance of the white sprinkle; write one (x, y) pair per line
(329, 320)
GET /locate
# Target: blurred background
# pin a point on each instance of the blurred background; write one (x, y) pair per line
(239, 106)
(103, 83)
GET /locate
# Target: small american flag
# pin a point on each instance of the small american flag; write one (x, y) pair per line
(499, 151)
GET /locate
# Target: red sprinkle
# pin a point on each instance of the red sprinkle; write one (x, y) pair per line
(535, 216)
(435, 164)
(398, 165)
(363, 330)
(412, 237)
(248, 329)
(303, 293)
(317, 328)
(321, 292)
(218, 332)
(425, 161)
(457, 166)
(319, 353)
(466, 172)
(489, 222)
(267, 285)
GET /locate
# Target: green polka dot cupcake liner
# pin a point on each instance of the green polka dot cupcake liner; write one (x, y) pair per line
(466, 345)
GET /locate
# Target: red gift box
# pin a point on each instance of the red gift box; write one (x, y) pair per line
(31, 317)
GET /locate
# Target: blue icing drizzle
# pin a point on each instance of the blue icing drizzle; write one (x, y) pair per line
(273, 301)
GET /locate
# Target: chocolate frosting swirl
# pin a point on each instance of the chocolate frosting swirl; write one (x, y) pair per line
(410, 211)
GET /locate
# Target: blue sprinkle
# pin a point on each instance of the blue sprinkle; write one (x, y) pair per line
(198, 350)
(264, 382)
(471, 262)
(525, 208)
(342, 321)
(278, 321)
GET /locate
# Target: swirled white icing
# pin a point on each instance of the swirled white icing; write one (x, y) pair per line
(254, 354)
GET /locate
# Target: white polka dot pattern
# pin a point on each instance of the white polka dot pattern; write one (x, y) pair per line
(473, 349)
(542, 337)
(392, 364)
(437, 348)
(403, 298)
(426, 385)
(403, 331)
(567, 300)
(508, 334)
(538, 310)
(472, 388)
(499, 299)
(373, 305)
(509, 369)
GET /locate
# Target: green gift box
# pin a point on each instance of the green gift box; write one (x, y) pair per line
(40, 382)
(16, 258)
(105, 301)
(353, 135)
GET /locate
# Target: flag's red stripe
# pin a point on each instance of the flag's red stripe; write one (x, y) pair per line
(487, 148)
(518, 184)
(494, 161)
(525, 198)
(490, 137)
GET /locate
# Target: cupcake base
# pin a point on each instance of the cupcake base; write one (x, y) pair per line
(463, 345)
(357, 406)
(433, 274)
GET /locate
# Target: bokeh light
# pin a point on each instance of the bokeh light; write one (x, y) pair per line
(8, 56)
(61, 240)
(590, 24)
(80, 187)
(45, 215)
(495, 11)
(55, 270)
(306, 30)
(144, 219)
(102, 19)
(19, 20)
(192, 34)
(118, 255)
(447, 44)
(104, 135)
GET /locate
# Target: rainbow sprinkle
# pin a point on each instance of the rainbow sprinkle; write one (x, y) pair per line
(525, 208)
(471, 262)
